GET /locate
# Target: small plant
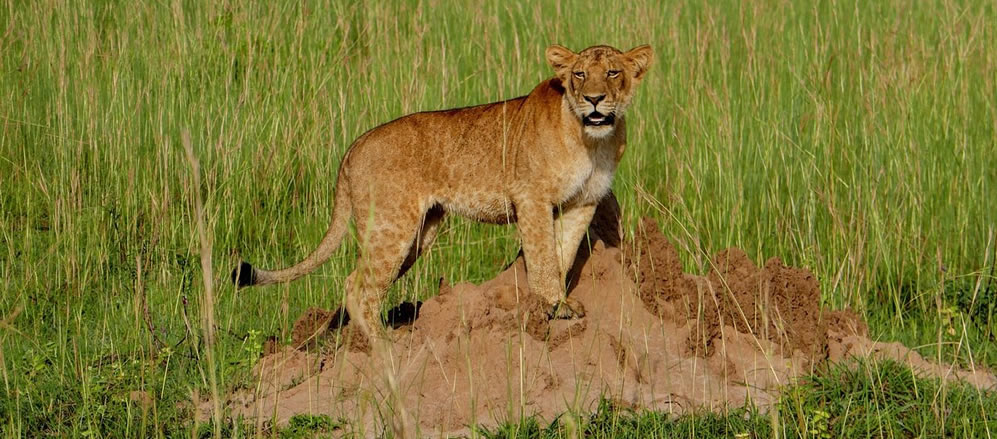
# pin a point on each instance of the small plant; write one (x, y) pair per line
(819, 424)
(252, 346)
(308, 426)
(948, 318)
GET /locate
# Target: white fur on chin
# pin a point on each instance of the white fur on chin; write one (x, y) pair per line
(600, 131)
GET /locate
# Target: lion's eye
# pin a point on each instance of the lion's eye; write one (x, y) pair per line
(613, 73)
(579, 75)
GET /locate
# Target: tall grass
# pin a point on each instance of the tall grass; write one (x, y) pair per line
(854, 138)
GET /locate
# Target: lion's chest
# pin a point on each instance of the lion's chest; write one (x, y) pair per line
(588, 179)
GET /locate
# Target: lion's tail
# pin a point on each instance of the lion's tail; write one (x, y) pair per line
(246, 275)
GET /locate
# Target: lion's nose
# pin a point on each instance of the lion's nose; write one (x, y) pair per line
(595, 99)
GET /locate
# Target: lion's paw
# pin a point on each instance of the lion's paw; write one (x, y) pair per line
(568, 308)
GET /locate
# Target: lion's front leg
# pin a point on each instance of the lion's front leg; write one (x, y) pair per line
(569, 232)
(569, 229)
(543, 264)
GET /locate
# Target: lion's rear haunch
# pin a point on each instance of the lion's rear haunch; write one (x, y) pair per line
(244, 275)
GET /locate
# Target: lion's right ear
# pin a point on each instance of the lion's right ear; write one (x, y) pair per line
(640, 59)
(561, 59)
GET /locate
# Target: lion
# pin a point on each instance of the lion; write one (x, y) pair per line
(543, 161)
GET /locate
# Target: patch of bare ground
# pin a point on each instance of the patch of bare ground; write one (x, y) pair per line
(655, 337)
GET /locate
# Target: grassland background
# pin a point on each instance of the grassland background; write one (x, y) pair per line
(853, 138)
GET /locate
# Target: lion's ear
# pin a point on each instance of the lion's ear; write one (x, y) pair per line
(561, 58)
(640, 59)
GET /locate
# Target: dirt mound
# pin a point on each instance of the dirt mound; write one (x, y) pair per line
(654, 337)
(778, 303)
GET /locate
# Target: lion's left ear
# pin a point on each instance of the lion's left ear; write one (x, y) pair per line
(561, 59)
(640, 59)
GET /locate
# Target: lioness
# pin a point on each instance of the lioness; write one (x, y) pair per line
(543, 161)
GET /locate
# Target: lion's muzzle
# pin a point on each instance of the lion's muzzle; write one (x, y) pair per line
(595, 119)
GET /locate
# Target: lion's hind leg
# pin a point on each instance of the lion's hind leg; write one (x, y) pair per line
(386, 242)
(423, 239)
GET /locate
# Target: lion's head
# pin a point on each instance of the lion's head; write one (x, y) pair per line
(599, 82)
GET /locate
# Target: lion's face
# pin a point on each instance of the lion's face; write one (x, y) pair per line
(599, 82)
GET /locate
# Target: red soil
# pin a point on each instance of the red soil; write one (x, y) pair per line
(654, 337)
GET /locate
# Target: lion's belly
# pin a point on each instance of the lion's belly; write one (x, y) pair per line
(483, 206)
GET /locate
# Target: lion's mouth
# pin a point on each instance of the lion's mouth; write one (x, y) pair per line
(596, 119)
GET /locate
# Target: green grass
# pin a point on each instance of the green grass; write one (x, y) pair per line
(858, 139)
(854, 400)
